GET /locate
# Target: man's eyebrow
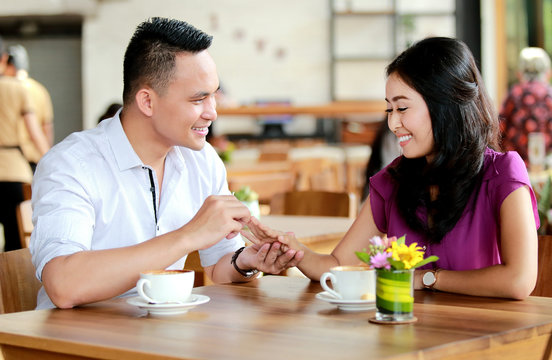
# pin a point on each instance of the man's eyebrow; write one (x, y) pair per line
(201, 94)
(398, 97)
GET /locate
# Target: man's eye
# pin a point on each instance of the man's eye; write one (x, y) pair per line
(388, 111)
(402, 109)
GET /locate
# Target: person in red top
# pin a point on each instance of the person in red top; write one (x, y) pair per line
(528, 106)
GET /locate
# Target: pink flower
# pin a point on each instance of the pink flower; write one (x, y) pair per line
(379, 260)
(376, 241)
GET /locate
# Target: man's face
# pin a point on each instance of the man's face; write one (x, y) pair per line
(182, 114)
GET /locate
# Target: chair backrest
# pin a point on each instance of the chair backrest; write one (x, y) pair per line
(319, 174)
(315, 203)
(24, 214)
(18, 283)
(544, 277)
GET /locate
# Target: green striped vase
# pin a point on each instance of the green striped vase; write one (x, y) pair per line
(394, 295)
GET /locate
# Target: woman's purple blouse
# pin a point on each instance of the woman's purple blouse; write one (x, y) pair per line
(473, 243)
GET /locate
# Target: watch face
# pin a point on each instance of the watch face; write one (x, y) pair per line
(429, 278)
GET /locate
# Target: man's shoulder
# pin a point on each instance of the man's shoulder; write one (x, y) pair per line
(79, 146)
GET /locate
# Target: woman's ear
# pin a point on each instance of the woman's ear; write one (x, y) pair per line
(144, 99)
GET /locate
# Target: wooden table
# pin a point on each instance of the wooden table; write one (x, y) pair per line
(280, 318)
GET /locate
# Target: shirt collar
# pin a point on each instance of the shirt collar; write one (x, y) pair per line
(124, 153)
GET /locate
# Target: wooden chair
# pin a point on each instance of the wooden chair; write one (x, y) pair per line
(319, 174)
(315, 203)
(18, 283)
(27, 191)
(544, 277)
(193, 263)
(24, 221)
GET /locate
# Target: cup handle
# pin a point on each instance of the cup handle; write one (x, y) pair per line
(323, 282)
(140, 287)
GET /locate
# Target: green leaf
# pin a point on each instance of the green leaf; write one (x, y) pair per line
(400, 241)
(427, 260)
(364, 257)
(397, 265)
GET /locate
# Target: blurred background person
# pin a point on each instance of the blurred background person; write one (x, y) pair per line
(15, 110)
(18, 67)
(528, 105)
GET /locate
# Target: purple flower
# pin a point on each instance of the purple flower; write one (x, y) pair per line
(379, 261)
(376, 241)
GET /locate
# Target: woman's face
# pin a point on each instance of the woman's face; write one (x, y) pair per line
(408, 118)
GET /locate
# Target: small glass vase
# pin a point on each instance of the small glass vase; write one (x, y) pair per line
(394, 295)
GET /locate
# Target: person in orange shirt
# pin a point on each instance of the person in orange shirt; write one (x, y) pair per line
(41, 102)
(15, 111)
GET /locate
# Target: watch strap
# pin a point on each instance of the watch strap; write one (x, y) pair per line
(246, 273)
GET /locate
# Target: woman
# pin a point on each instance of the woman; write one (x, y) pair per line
(451, 191)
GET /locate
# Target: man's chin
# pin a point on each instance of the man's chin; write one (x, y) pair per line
(196, 146)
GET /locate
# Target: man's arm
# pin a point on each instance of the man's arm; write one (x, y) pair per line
(89, 276)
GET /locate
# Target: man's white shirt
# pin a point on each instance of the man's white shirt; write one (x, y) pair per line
(91, 192)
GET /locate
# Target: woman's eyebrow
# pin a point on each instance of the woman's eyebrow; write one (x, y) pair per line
(398, 97)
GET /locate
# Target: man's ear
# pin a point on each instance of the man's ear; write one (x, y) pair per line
(144, 100)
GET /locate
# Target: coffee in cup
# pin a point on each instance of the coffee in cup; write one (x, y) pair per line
(350, 282)
(160, 286)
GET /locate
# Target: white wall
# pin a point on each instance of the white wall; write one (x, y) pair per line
(293, 64)
(264, 49)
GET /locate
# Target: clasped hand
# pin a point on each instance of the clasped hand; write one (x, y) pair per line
(276, 250)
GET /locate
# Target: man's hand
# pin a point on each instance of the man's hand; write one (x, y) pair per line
(220, 216)
(260, 234)
(268, 258)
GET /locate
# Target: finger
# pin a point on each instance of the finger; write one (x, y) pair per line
(249, 236)
(263, 252)
(272, 254)
(296, 259)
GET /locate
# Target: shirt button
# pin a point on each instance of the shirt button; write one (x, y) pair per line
(157, 227)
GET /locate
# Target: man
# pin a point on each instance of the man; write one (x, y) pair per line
(528, 106)
(15, 111)
(143, 189)
(18, 67)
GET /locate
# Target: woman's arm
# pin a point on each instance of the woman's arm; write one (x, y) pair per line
(313, 264)
(516, 277)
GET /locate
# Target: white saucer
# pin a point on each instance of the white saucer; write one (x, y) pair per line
(347, 305)
(169, 308)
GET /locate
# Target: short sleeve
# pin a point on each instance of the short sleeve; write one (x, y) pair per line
(508, 173)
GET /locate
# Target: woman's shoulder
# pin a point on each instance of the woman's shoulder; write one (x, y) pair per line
(504, 166)
(382, 181)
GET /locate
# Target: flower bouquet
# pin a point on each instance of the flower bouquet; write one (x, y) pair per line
(394, 262)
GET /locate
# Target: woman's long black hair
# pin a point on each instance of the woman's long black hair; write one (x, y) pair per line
(464, 123)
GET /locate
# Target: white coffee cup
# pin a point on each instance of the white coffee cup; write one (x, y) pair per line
(160, 286)
(350, 282)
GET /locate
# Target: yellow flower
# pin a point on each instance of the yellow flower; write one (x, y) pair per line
(409, 255)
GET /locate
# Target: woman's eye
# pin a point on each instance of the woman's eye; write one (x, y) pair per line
(389, 111)
(402, 109)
